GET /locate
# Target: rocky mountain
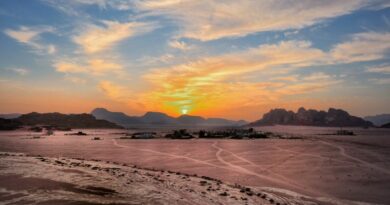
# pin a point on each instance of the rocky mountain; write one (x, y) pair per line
(379, 120)
(161, 119)
(332, 118)
(64, 120)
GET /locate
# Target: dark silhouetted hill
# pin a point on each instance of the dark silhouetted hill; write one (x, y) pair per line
(64, 120)
(161, 119)
(9, 124)
(387, 125)
(10, 115)
(115, 117)
(158, 118)
(379, 120)
(191, 120)
(332, 118)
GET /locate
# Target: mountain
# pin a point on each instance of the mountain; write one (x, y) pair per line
(190, 120)
(379, 120)
(63, 120)
(387, 125)
(157, 118)
(332, 118)
(161, 119)
(10, 116)
(115, 117)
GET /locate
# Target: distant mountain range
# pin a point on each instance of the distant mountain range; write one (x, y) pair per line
(379, 120)
(64, 120)
(161, 119)
(332, 118)
(103, 118)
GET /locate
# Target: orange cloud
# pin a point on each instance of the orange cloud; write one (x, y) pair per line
(213, 83)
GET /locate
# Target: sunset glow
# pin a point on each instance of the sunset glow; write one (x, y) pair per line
(229, 59)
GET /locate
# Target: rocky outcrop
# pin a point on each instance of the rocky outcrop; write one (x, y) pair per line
(332, 118)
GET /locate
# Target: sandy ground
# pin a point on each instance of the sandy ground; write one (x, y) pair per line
(326, 169)
(43, 180)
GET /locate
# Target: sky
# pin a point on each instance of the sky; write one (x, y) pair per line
(231, 59)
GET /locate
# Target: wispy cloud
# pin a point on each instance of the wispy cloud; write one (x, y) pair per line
(20, 71)
(380, 81)
(120, 94)
(385, 69)
(362, 47)
(181, 45)
(94, 39)
(209, 20)
(31, 36)
(113, 91)
(94, 66)
(74, 7)
(75, 80)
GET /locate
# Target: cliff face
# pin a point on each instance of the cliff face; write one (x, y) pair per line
(63, 120)
(334, 118)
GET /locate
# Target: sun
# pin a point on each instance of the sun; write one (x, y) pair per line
(184, 111)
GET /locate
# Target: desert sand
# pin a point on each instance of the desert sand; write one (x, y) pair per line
(309, 168)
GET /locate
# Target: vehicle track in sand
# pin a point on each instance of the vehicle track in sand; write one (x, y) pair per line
(285, 182)
(277, 178)
(346, 155)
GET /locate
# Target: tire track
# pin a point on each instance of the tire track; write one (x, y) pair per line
(346, 155)
(279, 179)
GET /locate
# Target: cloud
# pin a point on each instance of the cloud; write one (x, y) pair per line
(209, 20)
(95, 38)
(31, 36)
(120, 94)
(75, 80)
(380, 81)
(317, 77)
(111, 90)
(290, 78)
(19, 71)
(221, 82)
(362, 47)
(385, 69)
(94, 66)
(74, 7)
(181, 45)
